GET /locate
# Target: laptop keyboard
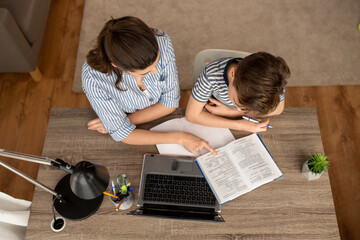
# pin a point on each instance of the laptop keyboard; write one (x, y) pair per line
(178, 189)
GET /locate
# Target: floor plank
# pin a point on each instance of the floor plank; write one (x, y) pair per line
(300, 97)
(338, 111)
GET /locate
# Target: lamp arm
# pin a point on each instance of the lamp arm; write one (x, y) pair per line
(57, 164)
(29, 158)
(62, 165)
(30, 179)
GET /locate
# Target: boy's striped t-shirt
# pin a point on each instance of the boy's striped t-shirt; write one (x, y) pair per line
(213, 82)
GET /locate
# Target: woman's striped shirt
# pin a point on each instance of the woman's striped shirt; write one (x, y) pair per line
(112, 105)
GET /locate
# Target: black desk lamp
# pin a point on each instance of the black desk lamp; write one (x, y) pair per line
(78, 194)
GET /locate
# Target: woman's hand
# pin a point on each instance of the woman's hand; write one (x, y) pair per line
(248, 126)
(217, 108)
(194, 144)
(97, 125)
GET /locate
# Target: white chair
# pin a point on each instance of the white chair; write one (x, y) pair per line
(14, 217)
(208, 55)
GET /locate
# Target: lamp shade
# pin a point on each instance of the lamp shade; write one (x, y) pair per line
(89, 180)
(78, 194)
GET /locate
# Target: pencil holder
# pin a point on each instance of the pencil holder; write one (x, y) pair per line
(115, 201)
(126, 202)
(123, 191)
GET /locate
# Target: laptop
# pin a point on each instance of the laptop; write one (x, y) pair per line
(174, 187)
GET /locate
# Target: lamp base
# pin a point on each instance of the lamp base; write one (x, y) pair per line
(58, 224)
(74, 208)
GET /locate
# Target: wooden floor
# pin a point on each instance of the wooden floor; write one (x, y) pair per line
(25, 107)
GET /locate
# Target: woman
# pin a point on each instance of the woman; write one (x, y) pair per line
(130, 78)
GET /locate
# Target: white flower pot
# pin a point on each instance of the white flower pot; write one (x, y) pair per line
(308, 174)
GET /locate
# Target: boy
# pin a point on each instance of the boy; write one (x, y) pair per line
(229, 88)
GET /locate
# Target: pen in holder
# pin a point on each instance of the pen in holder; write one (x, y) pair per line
(123, 191)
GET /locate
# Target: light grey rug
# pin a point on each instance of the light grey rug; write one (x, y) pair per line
(319, 39)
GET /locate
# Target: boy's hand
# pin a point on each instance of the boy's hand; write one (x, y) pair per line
(194, 144)
(96, 125)
(217, 108)
(248, 126)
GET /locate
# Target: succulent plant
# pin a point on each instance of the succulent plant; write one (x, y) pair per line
(317, 163)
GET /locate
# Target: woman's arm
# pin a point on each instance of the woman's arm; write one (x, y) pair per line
(189, 141)
(150, 113)
(142, 116)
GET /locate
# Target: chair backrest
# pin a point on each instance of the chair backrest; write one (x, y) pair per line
(14, 217)
(208, 55)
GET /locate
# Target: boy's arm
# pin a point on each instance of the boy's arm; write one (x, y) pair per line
(196, 114)
(215, 107)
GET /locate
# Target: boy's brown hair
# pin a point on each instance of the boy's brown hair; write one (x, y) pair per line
(260, 79)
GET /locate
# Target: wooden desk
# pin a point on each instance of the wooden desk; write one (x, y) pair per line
(288, 208)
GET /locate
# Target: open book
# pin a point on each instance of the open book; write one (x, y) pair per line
(241, 166)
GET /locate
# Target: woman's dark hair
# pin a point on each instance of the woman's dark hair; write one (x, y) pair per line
(260, 79)
(126, 42)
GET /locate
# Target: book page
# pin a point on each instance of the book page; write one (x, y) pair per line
(241, 166)
(253, 160)
(222, 175)
(216, 137)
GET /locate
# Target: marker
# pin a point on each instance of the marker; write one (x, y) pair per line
(124, 186)
(113, 187)
(123, 189)
(254, 121)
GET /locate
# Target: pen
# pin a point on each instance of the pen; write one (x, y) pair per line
(111, 195)
(121, 199)
(117, 208)
(254, 121)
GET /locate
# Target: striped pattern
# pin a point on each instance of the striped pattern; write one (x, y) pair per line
(212, 82)
(112, 105)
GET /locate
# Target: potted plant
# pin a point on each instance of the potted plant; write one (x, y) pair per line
(315, 166)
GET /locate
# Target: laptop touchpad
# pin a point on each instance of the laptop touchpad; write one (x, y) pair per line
(182, 166)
